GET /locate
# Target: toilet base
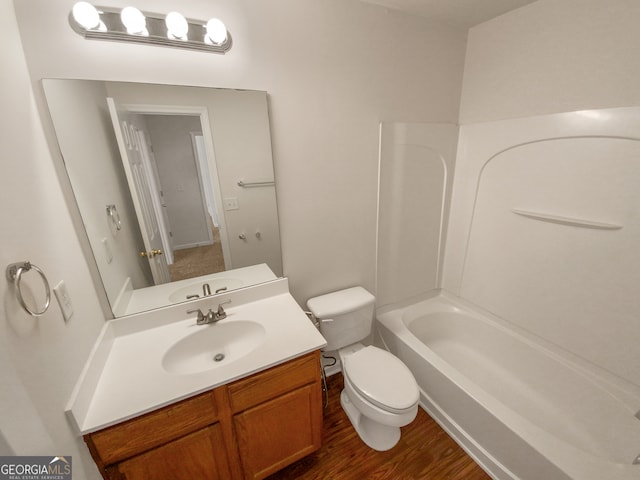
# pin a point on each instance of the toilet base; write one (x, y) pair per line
(375, 435)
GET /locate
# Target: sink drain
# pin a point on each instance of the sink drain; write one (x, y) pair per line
(218, 357)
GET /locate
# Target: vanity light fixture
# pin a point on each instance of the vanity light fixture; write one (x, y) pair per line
(133, 25)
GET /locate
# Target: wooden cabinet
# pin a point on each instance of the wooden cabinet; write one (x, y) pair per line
(249, 429)
(277, 416)
(143, 433)
(197, 455)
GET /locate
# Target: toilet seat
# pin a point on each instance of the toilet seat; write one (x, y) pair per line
(382, 378)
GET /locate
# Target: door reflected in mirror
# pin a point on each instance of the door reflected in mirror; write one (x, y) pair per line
(187, 170)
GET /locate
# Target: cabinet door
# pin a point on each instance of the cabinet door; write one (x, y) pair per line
(199, 455)
(279, 432)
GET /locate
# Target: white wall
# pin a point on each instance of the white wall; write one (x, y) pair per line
(40, 359)
(333, 69)
(553, 56)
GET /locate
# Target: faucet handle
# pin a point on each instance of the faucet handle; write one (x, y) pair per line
(201, 317)
(220, 313)
(220, 309)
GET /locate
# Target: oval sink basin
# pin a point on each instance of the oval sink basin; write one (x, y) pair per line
(196, 288)
(213, 346)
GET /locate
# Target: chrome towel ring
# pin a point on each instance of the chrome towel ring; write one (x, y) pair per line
(14, 274)
(114, 216)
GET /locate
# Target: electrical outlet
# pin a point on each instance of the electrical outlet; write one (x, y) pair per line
(64, 300)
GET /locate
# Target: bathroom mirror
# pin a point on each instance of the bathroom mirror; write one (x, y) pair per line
(174, 185)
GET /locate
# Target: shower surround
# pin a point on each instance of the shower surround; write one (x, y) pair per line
(541, 253)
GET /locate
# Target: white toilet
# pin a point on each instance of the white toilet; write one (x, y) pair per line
(380, 393)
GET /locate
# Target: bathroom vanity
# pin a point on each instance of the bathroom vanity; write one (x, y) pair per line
(153, 401)
(249, 429)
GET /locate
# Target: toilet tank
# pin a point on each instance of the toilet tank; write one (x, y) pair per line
(345, 316)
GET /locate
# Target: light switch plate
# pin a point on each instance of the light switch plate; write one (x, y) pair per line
(108, 254)
(64, 300)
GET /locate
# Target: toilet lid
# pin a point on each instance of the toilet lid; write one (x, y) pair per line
(382, 378)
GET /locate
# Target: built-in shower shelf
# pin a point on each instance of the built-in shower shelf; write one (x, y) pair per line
(574, 222)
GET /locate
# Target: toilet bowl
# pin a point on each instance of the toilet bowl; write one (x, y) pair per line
(380, 393)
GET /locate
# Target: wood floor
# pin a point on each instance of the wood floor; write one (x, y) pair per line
(425, 451)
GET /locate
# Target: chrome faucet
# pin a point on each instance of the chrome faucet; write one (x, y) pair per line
(210, 316)
(206, 290)
(220, 313)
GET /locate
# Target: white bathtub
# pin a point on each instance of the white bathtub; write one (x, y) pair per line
(522, 409)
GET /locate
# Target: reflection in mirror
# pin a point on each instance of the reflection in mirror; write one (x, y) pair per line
(174, 184)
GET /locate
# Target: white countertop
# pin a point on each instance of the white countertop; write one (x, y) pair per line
(143, 299)
(125, 378)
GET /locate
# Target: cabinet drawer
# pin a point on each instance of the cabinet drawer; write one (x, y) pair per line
(276, 381)
(153, 429)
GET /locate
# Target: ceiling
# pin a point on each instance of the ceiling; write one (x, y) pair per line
(458, 13)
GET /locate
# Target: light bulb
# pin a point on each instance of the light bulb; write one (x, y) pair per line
(86, 15)
(134, 21)
(216, 31)
(177, 26)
